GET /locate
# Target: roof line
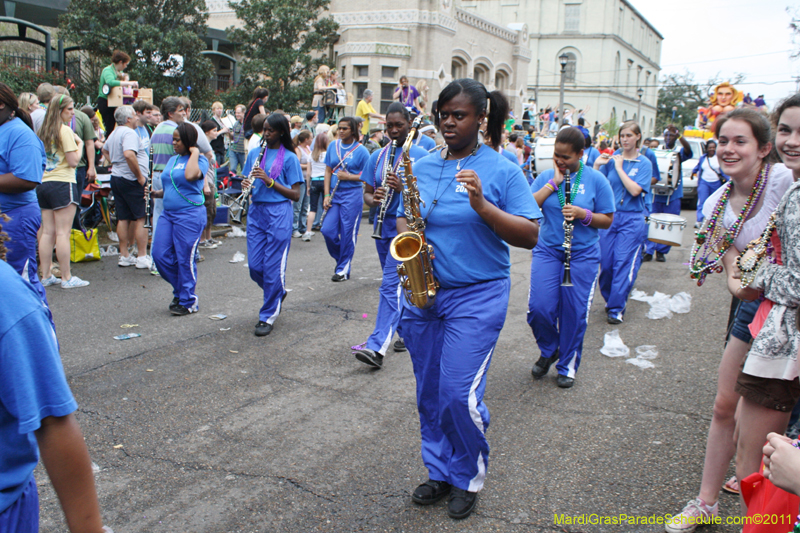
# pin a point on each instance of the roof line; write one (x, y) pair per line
(627, 3)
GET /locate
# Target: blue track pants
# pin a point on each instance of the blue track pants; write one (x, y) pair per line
(340, 227)
(389, 305)
(269, 233)
(620, 250)
(704, 190)
(174, 247)
(22, 246)
(451, 347)
(558, 315)
(661, 206)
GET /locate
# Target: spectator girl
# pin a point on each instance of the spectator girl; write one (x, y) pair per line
(387, 162)
(218, 144)
(58, 194)
(183, 219)
(629, 174)
(302, 144)
(237, 148)
(110, 78)
(320, 84)
(470, 235)
(558, 315)
(519, 150)
(317, 189)
(29, 102)
(277, 177)
(344, 162)
(22, 162)
(741, 209)
(256, 107)
(710, 177)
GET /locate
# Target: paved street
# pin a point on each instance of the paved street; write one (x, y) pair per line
(199, 426)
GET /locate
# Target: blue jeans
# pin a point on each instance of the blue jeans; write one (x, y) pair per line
(235, 160)
(300, 208)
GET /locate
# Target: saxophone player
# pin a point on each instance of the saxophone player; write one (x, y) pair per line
(557, 313)
(474, 204)
(386, 162)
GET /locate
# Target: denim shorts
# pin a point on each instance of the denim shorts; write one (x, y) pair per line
(744, 315)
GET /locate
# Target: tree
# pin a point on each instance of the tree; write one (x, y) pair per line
(283, 42)
(163, 38)
(612, 126)
(681, 92)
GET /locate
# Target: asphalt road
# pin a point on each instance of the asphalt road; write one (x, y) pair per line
(199, 426)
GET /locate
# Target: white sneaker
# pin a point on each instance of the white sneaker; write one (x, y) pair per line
(296, 234)
(52, 280)
(695, 514)
(307, 236)
(73, 283)
(144, 262)
(126, 261)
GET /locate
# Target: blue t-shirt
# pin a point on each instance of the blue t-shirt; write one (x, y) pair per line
(640, 171)
(594, 193)
(423, 141)
(291, 174)
(373, 172)
(32, 381)
(684, 155)
(511, 156)
(466, 249)
(590, 155)
(355, 159)
(189, 194)
(22, 154)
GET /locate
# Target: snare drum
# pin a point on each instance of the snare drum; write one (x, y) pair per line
(665, 228)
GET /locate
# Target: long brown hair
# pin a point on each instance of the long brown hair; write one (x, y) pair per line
(9, 99)
(320, 146)
(50, 132)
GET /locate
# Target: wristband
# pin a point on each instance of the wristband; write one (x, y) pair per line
(327, 196)
(271, 184)
(553, 185)
(588, 219)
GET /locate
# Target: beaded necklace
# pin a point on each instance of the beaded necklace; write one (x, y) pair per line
(713, 240)
(339, 146)
(573, 189)
(384, 155)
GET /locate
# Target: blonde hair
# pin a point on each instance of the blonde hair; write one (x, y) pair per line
(217, 105)
(333, 133)
(50, 131)
(321, 139)
(323, 72)
(26, 99)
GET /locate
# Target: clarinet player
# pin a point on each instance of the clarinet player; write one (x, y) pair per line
(386, 162)
(474, 204)
(557, 313)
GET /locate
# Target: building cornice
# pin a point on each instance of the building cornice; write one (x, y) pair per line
(375, 48)
(573, 38)
(398, 17)
(471, 19)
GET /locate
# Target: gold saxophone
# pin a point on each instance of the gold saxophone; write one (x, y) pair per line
(410, 248)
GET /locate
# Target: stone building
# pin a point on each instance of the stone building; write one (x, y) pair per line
(612, 49)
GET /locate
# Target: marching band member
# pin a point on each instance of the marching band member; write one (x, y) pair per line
(386, 162)
(557, 314)
(344, 162)
(620, 245)
(182, 222)
(473, 202)
(269, 219)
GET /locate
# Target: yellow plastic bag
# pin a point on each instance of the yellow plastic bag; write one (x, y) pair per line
(83, 246)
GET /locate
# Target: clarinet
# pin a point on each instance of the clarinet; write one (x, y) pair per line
(387, 199)
(246, 190)
(148, 188)
(567, 282)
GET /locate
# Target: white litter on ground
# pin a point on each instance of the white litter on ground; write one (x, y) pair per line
(109, 251)
(236, 232)
(238, 257)
(613, 345)
(644, 356)
(663, 305)
(112, 236)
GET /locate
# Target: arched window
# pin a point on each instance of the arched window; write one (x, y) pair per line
(481, 74)
(571, 68)
(616, 73)
(625, 116)
(458, 68)
(501, 80)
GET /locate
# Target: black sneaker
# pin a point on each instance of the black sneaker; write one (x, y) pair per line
(338, 277)
(565, 382)
(613, 320)
(430, 492)
(369, 357)
(263, 329)
(461, 503)
(647, 257)
(542, 366)
(179, 310)
(175, 301)
(399, 345)
(660, 257)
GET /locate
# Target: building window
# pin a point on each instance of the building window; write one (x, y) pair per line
(360, 88)
(571, 68)
(387, 89)
(458, 68)
(572, 17)
(501, 81)
(343, 67)
(481, 74)
(362, 71)
(621, 22)
(389, 72)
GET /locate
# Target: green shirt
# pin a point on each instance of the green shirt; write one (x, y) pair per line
(108, 77)
(82, 125)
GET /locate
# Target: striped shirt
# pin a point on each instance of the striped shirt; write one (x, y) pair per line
(162, 144)
(238, 138)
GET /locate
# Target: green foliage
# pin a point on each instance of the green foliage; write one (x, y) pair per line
(279, 40)
(155, 33)
(612, 126)
(25, 79)
(683, 93)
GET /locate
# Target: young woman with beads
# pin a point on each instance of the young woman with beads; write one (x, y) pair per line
(269, 219)
(474, 204)
(629, 174)
(735, 215)
(344, 162)
(387, 162)
(558, 314)
(183, 220)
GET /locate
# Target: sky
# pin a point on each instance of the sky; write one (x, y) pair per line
(718, 37)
